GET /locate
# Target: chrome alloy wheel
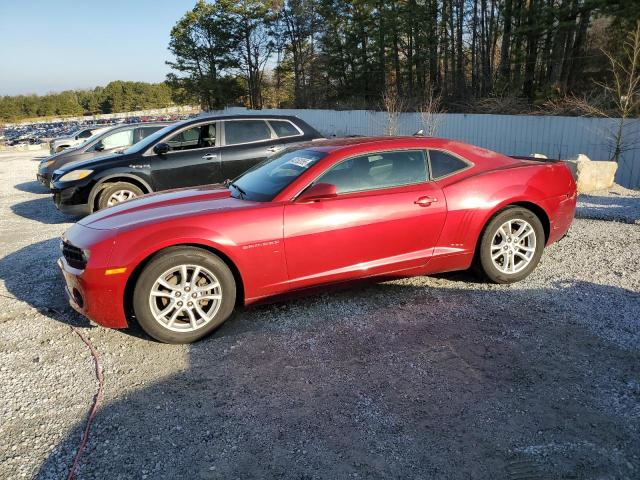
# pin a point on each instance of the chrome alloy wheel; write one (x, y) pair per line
(513, 246)
(120, 196)
(185, 298)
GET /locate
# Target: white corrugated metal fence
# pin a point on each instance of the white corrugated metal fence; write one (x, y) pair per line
(556, 137)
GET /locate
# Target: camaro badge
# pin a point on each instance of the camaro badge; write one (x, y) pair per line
(261, 244)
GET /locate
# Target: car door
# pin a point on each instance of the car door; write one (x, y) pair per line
(246, 142)
(387, 217)
(193, 158)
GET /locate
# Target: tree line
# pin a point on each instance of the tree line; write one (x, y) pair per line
(350, 54)
(117, 96)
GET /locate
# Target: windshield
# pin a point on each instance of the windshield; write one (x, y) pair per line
(264, 181)
(98, 133)
(151, 139)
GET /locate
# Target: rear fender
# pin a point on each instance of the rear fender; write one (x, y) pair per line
(473, 201)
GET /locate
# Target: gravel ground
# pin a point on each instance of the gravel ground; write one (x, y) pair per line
(430, 377)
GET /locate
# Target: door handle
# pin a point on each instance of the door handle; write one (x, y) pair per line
(425, 201)
(210, 156)
(274, 149)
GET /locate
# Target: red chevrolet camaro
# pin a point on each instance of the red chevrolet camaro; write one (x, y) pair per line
(179, 262)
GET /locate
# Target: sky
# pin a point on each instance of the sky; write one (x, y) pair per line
(54, 45)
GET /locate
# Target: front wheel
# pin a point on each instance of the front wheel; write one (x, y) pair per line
(183, 294)
(511, 246)
(117, 192)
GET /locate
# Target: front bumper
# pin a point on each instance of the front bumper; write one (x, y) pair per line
(44, 179)
(94, 295)
(70, 202)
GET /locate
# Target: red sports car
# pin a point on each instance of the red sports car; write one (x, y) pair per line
(331, 211)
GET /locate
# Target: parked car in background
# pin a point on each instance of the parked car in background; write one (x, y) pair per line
(74, 138)
(194, 152)
(325, 212)
(102, 143)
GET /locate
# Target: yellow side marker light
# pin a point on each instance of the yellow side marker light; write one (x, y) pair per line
(115, 271)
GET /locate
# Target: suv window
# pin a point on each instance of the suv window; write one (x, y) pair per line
(123, 138)
(283, 128)
(443, 163)
(245, 131)
(377, 170)
(201, 136)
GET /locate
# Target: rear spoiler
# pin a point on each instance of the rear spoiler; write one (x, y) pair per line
(535, 159)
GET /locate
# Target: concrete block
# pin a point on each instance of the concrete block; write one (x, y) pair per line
(592, 175)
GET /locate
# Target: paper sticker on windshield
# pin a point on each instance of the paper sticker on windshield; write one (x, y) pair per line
(301, 161)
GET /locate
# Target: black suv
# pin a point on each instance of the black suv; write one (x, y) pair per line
(194, 152)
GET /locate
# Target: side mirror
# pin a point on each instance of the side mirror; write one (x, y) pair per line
(99, 147)
(161, 148)
(319, 191)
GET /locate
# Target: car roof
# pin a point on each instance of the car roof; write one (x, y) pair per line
(364, 145)
(140, 124)
(268, 116)
(207, 117)
(339, 143)
(124, 126)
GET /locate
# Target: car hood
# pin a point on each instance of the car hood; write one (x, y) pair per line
(63, 154)
(165, 206)
(90, 163)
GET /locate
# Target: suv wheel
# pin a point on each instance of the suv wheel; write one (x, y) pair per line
(117, 192)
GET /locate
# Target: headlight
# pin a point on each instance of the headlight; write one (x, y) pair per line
(75, 175)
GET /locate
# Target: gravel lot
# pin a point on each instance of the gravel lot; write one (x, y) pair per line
(431, 377)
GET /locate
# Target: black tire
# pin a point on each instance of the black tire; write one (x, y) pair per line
(111, 188)
(175, 257)
(484, 264)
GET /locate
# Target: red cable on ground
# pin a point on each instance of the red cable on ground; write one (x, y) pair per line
(97, 398)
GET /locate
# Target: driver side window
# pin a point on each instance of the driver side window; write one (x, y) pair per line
(377, 171)
(201, 136)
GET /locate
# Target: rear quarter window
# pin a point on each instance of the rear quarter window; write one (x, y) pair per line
(444, 164)
(284, 128)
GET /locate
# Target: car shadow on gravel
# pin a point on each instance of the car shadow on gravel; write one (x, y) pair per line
(396, 380)
(41, 210)
(611, 208)
(32, 187)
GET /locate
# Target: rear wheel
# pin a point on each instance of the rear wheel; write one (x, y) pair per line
(183, 294)
(511, 246)
(117, 192)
